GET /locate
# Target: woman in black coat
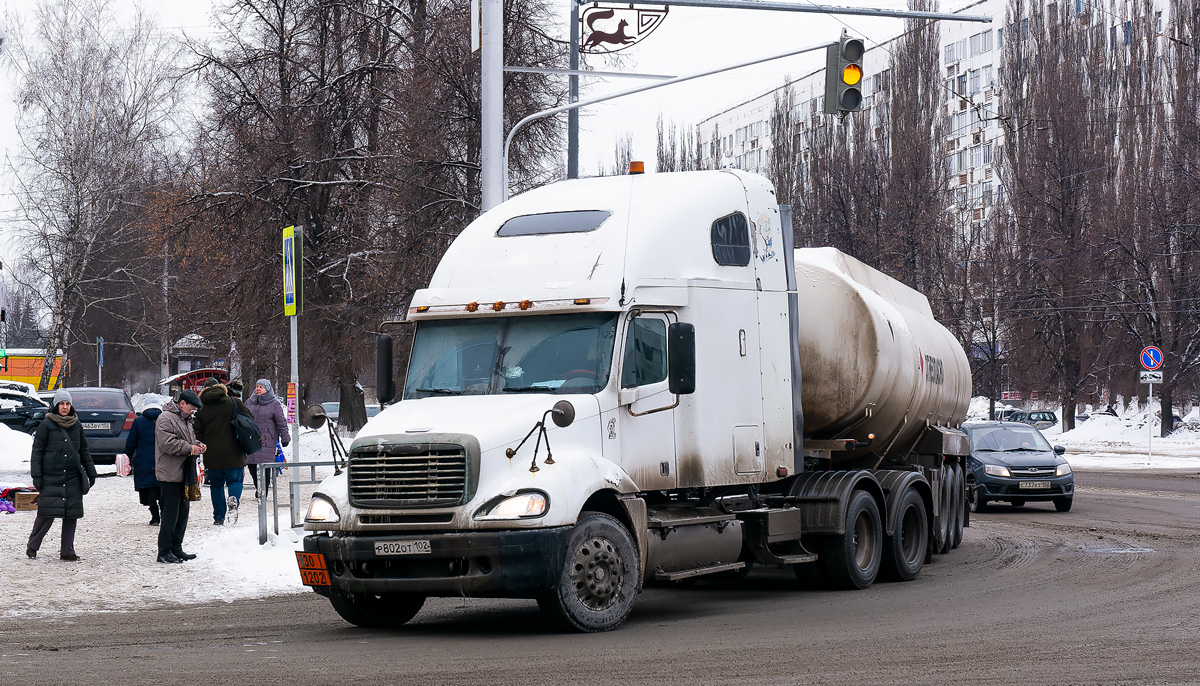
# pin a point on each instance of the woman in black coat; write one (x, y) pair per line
(139, 446)
(62, 472)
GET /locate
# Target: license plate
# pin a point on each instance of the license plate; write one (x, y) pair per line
(403, 548)
(313, 571)
(96, 426)
(1036, 484)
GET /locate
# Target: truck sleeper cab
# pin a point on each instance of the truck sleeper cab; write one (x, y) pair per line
(609, 385)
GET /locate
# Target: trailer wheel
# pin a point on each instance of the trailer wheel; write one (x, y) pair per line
(376, 611)
(852, 560)
(904, 553)
(943, 521)
(598, 582)
(960, 509)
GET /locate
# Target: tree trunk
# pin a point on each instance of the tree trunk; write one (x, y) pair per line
(352, 414)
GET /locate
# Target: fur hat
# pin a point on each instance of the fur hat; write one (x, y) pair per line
(191, 398)
(235, 388)
(61, 395)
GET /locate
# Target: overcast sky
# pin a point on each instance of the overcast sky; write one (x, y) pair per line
(688, 41)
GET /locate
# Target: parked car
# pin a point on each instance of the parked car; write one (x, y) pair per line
(106, 415)
(1013, 461)
(332, 409)
(21, 411)
(1006, 413)
(1038, 420)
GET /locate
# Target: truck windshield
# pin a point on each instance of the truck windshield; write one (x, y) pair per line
(569, 353)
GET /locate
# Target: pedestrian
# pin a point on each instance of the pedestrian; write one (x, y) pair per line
(175, 446)
(60, 466)
(268, 414)
(224, 461)
(140, 449)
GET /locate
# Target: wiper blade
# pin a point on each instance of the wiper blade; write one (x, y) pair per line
(528, 389)
(1023, 450)
(440, 391)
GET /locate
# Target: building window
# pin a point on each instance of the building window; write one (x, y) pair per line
(1128, 31)
(1000, 38)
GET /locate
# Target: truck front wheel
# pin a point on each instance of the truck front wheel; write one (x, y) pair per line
(852, 559)
(376, 611)
(598, 582)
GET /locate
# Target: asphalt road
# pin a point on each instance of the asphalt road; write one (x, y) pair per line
(1108, 593)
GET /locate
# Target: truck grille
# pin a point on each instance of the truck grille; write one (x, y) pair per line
(408, 475)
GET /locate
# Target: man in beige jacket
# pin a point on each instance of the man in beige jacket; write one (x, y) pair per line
(174, 444)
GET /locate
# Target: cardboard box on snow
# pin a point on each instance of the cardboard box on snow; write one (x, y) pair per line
(25, 500)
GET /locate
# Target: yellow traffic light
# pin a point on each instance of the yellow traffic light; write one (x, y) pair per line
(852, 74)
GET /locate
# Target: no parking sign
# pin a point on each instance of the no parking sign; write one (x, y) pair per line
(1151, 358)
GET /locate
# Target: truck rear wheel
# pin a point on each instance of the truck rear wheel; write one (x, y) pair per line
(377, 611)
(598, 582)
(943, 522)
(852, 560)
(904, 552)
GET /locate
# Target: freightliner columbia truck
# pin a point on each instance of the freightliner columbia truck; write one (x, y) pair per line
(634, 379)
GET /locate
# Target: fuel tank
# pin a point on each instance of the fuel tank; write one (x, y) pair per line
(873, 360)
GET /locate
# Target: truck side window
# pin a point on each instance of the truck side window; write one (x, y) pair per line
(645, 352)
(731, 240)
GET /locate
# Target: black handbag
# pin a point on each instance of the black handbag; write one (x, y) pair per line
(245, 430)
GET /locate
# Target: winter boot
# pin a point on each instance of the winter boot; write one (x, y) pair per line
(231, 516)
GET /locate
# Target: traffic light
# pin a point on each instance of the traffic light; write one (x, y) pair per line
(843, 76)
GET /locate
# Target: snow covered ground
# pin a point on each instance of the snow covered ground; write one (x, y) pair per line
(119, 573)
(118, 570)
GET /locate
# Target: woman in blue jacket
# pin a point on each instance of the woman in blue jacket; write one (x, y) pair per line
(140, 449)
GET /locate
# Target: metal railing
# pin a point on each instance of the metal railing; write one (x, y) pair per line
(295, 513)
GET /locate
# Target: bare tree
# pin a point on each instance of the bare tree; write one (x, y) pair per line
(94, 99)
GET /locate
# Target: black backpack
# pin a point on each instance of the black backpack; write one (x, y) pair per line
(245, 430)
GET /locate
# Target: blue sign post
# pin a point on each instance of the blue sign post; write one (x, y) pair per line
(1152, 360)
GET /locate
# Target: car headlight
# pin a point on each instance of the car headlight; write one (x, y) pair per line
(520, 506)
(322, 510)
(1063, 469)
(996, 470)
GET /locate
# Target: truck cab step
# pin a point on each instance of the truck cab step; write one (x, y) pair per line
(701, 571)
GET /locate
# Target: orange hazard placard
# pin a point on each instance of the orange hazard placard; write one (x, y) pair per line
(313, 571)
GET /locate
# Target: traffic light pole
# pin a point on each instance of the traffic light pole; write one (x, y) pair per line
(602, 98)
(494, 153)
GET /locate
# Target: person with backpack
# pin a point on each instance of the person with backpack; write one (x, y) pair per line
(62, 472)
(224, 461)
(139, 446)
(268, 414)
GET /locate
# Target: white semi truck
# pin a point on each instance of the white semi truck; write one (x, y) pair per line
(630, 379)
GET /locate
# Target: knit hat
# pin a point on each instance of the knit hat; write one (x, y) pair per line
(211, 381)
(151, 406)
(61, 395)
(265, 384)
(191, 398)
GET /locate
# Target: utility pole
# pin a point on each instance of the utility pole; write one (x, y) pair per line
(492, 102)
(573, 96)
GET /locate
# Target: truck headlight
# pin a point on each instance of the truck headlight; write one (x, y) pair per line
(1063, 469)
(996, 470)
(322, 510)
(520, 506)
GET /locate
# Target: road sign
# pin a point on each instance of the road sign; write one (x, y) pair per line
(289, 271)
(1151, 358)
(1151, 377)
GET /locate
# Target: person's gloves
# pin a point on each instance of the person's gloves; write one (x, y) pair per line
(285, 443)
(37, 483)
(91, 481)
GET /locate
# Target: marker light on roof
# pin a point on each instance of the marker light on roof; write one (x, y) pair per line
(472, 306)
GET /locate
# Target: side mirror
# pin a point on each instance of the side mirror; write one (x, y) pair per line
(39, 415)
(314, 417)
(681, 358)
(385, 383)
(1059, 450)
(562, 414)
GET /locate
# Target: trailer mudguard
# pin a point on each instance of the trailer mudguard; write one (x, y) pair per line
(894, 483)
(823, 497)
